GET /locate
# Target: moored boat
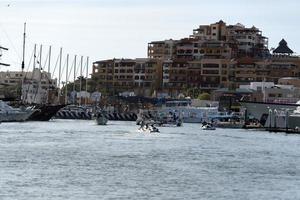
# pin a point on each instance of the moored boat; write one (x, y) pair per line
(10, 114)
(101, 119)
(208, 126)
(44, 112)
(148, 128)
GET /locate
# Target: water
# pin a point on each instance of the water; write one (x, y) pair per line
(79, 160)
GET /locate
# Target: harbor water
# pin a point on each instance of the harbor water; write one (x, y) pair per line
(67, 159)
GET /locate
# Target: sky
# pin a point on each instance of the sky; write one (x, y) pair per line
(105, 29)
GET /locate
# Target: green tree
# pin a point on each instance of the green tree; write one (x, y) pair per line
(204, 96)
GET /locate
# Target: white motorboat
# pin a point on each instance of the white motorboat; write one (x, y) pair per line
(209, 127)
(10, 114)
(159, 118)
(148, 128)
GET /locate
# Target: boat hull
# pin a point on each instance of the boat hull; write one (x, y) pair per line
(15, 117)
(101, 120)
(45, 112)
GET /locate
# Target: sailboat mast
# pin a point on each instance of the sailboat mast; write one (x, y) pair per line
(23, 58)
(34, 57)
(49, 61)
(66, 87)
(59, 70)
(59, 74)
(41, 49)
(86, 80)
(74, 78)
(80, 81)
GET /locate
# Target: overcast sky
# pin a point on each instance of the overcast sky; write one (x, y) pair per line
(104, 29)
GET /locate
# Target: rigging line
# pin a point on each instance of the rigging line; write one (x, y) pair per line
(46, 61)
(15, 49)
(38, 82)
(37, 56)
(55, 65)
(27, 90)
(29, 64)
(71, 69)
(84, 67)
(63, 68)
(32, 75)
(78, 67)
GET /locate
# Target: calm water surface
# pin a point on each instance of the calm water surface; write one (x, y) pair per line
(64, 159)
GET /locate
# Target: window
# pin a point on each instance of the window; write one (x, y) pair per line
(210, 65)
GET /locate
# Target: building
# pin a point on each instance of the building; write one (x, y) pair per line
(114, 76)
(217, 40)
(174, 76)
(215, 56)
(295, 81)
(33, 87)
(162, 49)
(273, 93)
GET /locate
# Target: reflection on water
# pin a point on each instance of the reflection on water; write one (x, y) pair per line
(79, 160)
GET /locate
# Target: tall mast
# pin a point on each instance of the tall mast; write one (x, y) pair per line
(49, 61)
(41, 49)
(59, 74)
(74, 78)
(59, 70)
(86, 80)
(80, 81)
(66, 87)
(34, 57)
(24, 37)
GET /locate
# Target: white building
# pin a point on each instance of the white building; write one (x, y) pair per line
(275, 93)
(258, 86)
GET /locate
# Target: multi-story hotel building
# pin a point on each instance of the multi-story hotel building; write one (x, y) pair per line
(216, 39)
(214, 56)
(162, 49)
(113, 76)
